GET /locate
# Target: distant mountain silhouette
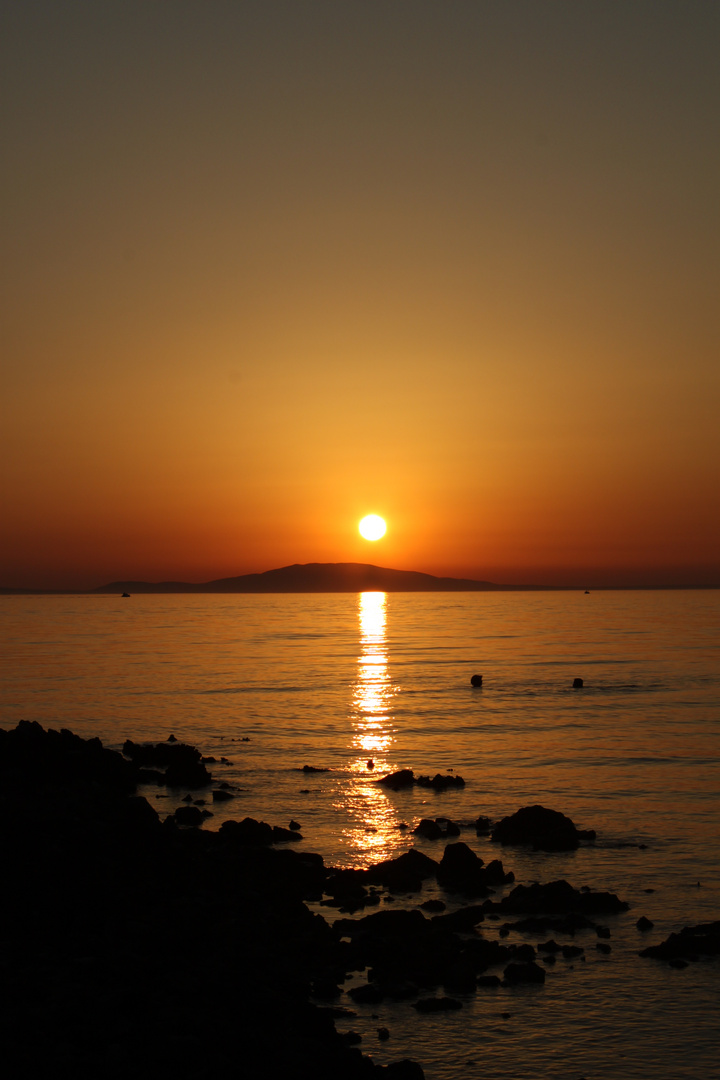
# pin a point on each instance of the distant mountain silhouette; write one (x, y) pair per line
(315, 577)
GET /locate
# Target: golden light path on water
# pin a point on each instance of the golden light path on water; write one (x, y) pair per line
(375, 828)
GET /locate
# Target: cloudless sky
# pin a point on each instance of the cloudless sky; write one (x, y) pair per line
(270, 266)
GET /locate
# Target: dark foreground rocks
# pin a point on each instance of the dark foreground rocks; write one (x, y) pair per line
(543, 829)
(134, 948)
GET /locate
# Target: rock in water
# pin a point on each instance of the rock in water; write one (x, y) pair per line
(541, 828)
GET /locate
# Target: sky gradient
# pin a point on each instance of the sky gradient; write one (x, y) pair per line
(269, 267)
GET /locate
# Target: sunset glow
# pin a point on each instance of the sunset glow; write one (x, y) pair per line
(478, 289)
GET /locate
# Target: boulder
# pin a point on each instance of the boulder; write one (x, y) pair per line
(405, 873)
(690, 943)
(556, 897)
(222, 796)
(461, 870)
(429, 829)
(541, 828)
(397, 781)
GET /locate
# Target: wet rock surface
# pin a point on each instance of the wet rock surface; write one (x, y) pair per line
(140, 948)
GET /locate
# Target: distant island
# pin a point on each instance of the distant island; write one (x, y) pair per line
(316, 577)
(329, 578)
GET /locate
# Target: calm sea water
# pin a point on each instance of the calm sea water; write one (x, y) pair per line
(337, 681)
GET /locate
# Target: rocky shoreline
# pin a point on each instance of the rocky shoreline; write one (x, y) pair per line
(132, 946)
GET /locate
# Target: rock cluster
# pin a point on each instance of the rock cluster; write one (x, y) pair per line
(405, 778)
(137, 948)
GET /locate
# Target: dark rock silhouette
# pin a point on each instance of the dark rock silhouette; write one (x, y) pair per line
(405, 778)
(110, 911)
(398, 780)
(476, 680)
(577, 684)
(644, 924)
(183, 763)
(556, 897)
(438, 829)
(541, 828)
(689, 944)
(429, 829)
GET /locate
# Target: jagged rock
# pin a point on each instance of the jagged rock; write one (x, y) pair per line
(542, 829)
(644, 924)
(405, 873)
(691, 942)
(482, 825)
(462, 870)
(222, 796)
(183, 764)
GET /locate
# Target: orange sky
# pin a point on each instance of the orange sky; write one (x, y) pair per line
(271, 266)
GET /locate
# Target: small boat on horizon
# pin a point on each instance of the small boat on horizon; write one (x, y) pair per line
(125, 594)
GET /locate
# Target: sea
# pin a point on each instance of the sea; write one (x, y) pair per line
(354, 686)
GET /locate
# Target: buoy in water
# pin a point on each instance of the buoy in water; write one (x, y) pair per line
(476, 680)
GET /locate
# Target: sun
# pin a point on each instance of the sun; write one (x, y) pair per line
(372, 527)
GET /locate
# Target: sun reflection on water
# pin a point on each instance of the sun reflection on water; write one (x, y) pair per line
(375, 832)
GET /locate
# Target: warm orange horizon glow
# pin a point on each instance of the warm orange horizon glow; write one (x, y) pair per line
(477, 289)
